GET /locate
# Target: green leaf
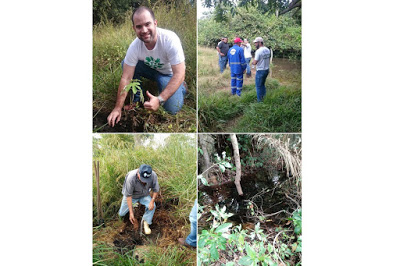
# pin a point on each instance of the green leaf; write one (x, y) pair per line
(222, 168)
(214, 252)
(223, 228)
(230, 264)
(202, 241)
(246, 260)
(227, 165)
(250, 251)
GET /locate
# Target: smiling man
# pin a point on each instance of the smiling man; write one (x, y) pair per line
(155, 54)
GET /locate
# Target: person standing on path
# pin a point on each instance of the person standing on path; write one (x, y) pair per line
(223, 48)
(136, 188)
(247, 56)
(261, 60)
(237, 65)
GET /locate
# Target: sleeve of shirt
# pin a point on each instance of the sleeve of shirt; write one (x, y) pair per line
(175, 51)
(156, 186)
(127, 189)
(131, 58)
(257, 56)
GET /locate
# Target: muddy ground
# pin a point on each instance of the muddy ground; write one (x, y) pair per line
(165, 231)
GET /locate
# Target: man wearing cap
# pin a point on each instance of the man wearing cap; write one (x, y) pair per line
(237, 64)
(136, 188)
(155, 54)
(223, 48)
(261, 60)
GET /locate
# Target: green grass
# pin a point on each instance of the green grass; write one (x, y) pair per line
(175, 165)
(173, 255)
(280, 110)
(110, 43)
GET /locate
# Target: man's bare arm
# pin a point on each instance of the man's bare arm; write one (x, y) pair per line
(126, 78)
(151, 205)
(178, 77)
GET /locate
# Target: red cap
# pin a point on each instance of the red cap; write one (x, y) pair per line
(237, 40)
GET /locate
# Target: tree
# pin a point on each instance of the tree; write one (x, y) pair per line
(237, 163)
(277, 7)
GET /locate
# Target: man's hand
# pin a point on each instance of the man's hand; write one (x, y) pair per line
(134, 221)
(114, 116)
(153, 103)
(151, 205)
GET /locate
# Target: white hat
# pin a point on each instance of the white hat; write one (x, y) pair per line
(258, 39)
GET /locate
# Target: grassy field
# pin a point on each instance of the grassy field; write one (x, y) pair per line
(175, 165)
(110, 43)
(280, 110)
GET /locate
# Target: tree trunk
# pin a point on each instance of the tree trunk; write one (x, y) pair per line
(237, 163)
(203, 146)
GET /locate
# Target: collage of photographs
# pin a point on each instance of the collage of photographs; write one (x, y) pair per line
(197, 132)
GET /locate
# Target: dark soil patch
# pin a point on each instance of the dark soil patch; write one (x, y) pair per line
(135, 120)
(252, 182)
(164, 229)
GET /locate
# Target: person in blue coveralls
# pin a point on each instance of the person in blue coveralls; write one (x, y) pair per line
(237, 64)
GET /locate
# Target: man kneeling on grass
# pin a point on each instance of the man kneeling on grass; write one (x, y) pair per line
(136, 188)
(155, 54)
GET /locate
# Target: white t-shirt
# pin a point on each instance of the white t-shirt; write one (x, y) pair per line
(262, 56)
(168, 51)
(247, 50)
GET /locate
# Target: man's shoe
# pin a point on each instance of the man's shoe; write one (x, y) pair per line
(183, 243)
(147, 229)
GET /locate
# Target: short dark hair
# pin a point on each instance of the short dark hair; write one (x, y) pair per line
(140, 10)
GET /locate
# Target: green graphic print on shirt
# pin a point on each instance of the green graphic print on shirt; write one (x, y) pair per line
(155, 64)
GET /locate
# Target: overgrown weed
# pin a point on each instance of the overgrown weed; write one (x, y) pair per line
(110, 43)
(280, 111)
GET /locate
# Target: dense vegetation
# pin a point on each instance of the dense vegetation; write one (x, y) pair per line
(264, 225)
(175, 165)
(282, 33)
(111, 39)
(280, 110)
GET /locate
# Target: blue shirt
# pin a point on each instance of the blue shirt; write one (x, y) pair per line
(237, 63)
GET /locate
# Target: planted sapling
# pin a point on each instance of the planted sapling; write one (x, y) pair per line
(135, 87)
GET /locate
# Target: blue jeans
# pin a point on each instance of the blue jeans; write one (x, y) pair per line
(192, 237)
(248, 70)
(261, 76)
(175, 102)
(147, 216)
(223, 60)
(236, 83)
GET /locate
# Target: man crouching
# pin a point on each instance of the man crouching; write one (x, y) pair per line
(136, 188)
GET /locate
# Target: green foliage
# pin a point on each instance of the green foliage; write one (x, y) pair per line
(223, 162)
(252, 248)
(280, 110)
(120, 153)
(296, 218)
(110, 43)
(135, 87)
(282, 34)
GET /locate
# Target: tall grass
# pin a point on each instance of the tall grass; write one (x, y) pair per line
(110, 43)
(280, 110)
(174, 163)
(173, 255)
